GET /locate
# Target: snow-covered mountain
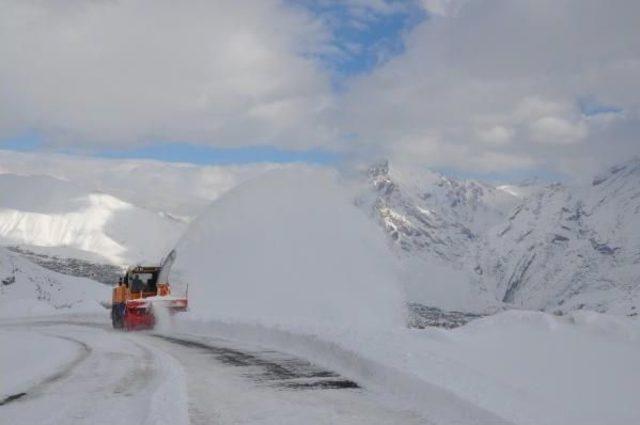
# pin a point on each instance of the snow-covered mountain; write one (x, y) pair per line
(26, 288)
(463, 244)
(436, 215)
(555, 248)
(435, 223)
(566, 249)
(55, 216)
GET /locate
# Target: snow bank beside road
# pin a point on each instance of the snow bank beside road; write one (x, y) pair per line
(542, 369)
(287, 261)
(353, 354)
(525, 367)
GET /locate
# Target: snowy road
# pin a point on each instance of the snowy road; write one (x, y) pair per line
(124, 378)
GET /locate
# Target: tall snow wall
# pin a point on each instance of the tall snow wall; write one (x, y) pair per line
(290, 248)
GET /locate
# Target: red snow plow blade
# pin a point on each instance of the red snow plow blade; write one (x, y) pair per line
(139, 313)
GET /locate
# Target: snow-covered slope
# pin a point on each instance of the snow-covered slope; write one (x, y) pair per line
(28, 289)
(434, 223)
(463, 245)
(41, 211)
(430, 213)
(467, 245)
(565, 249)
(524, 189)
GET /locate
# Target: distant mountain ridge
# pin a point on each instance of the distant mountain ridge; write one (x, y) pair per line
(550, 247)
(566, 249)
(463, 245)
(435, 213)
(42, 212)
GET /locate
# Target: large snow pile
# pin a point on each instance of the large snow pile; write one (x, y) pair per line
(290, 247)
(41, 211)
(27, 289)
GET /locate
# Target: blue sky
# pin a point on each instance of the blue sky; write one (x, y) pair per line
(362, 42)
(591, 106)
(188, 152)
(365, 37)
(203, 155)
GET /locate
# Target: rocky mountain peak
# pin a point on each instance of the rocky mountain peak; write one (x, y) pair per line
(551, 247)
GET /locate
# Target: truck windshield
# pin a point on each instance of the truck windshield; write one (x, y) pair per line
(145, 282)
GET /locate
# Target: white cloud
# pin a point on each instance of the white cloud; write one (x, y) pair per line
(111, 73)
(557, 130)
(443, 7)
(182, 190)
(533, 108)
(496, 135)
(482, 85)
(488, 80)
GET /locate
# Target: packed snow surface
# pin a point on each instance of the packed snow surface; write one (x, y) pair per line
(123, 378)
(23, 362)
(290, 247)
(89, 375)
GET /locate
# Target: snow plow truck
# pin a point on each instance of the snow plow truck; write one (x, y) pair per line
(142, 294)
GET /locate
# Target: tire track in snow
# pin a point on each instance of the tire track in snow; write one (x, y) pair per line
(188, 382)
(137, 377)
(229, 382)
(283, 370)
(34, 390)
(115, 380)
(11, 398)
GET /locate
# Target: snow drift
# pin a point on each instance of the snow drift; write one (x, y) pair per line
(290, 248)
